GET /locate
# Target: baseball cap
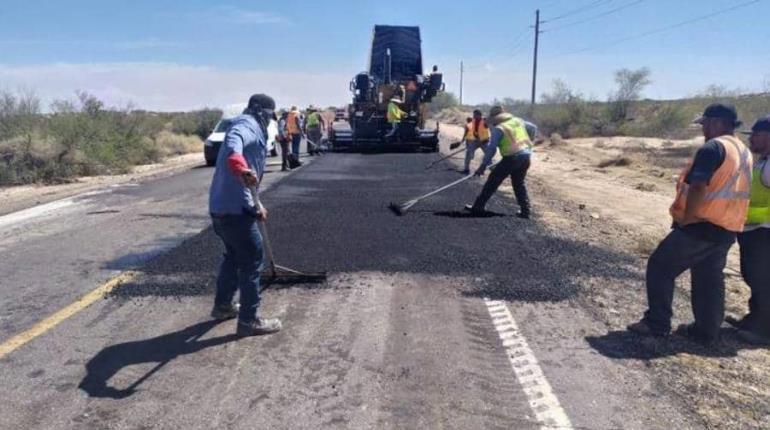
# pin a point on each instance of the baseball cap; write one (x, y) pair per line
(261, 101)
(721, 111)
(762, 124)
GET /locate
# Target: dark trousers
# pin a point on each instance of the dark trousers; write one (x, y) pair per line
(515, 167)
(706, 260)
(284, 154)
(241, 265)
(755, 269)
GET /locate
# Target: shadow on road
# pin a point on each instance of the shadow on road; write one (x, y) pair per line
(628, 345)
(466, 214)
(162, 349)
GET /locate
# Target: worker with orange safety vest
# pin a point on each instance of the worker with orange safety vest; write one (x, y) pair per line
(294, 130)
(710, 208)
(476, 137)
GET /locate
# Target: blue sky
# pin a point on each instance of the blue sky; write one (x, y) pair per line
(186, 54)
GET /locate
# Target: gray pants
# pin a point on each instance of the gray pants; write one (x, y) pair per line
(706, 260)
(470, 151)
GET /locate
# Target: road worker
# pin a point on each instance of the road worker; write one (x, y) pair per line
(710, 208)
(754, 242)
(476, 137)
(510, 135)
(394, 117)
(234, 214)
(294, 130)
(314, 128)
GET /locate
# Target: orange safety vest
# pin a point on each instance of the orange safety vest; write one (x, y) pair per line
(477, 132)
(727, 195)
(291, 123)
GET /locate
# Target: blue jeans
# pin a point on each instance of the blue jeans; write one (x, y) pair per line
(755, 268)
(296, 139)
(242, 263)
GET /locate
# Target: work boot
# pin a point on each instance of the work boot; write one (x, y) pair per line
(475, 211)
(692, 332)
(522, 215)
(225, 312)
(258, 327)
(739, 323)
(753, 337)
(466, 172)
(642, 328)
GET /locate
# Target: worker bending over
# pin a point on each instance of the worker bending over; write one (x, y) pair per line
(511, 135)
(710, 208)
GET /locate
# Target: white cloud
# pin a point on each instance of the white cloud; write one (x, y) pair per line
(241, 16)
(165, 86)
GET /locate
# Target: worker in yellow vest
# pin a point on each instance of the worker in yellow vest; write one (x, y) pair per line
(710, 208)
(509, 134)
(476, 137)
(394, 117)
(314, 127)
(754, 242)
(294, 131)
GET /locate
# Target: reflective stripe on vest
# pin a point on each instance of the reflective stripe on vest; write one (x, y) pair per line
(515, 137)
(314, 119)
(291, 123)
(394, 112)
(727, 194)
(759, 205)
(477, 132)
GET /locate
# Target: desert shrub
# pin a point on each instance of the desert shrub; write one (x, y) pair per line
(443, 100)
(196, 123)
(168, 143)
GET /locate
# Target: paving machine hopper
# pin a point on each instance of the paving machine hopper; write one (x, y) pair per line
(395, 71)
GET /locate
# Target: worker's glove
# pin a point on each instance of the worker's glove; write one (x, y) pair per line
(249, 178)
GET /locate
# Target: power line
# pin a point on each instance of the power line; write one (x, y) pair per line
(662, 29)
(595, 17)
(578, 10)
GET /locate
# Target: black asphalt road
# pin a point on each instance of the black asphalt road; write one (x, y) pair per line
(399, 337)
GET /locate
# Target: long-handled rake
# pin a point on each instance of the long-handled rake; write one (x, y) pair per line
(429, 166)
(276, 274)
(400, 209)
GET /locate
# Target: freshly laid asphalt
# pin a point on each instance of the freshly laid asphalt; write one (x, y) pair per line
(399, 336)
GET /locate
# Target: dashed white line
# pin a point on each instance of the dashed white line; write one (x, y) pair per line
(542, 399)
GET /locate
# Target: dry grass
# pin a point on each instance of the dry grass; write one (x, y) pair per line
(170, 144)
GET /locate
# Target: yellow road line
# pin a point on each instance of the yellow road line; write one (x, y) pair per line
(52, 321)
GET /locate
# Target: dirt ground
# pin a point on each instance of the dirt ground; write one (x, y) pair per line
(615, 192)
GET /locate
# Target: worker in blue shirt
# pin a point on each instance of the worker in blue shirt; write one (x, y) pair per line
(234, 213)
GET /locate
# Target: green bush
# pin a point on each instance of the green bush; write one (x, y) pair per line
(197, 123)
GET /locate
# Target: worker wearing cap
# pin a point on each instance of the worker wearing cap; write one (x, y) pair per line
(754, 242)
(294, 131)
(476, 137)
(509, 135)
(394, 117)
(234, 213)
(314, 126)
(710, 208)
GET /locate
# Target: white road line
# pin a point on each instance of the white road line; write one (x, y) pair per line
(542, 399)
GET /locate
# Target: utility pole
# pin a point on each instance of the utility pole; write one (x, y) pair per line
(461, 82)
(534, 63)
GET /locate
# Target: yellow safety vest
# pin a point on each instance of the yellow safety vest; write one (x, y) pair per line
(515, 136)
(759, 204)
(394, 113)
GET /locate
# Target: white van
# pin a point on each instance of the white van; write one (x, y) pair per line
(214, 141)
